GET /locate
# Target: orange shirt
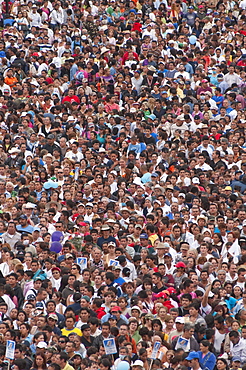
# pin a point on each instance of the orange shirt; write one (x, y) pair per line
(10, 80)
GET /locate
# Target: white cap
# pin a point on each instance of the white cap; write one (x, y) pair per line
(195, 180)
(138, 363)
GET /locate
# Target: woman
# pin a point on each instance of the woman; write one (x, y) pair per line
(76, 270)
(39, 362)
(207, 359)
(21, 317)
(169, 322)
(133, 329)
(144, 253)
(104, 364)
(221, 364)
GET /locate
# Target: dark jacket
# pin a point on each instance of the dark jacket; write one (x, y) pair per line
(194, 346)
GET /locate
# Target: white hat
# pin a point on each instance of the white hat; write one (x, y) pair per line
(104, 50)
(195, 180)
(71, 118)
(179, 320)
(14, 150)
(135, 308)
(138, 363)
(102, 150)
(30, 205)
(42, 345)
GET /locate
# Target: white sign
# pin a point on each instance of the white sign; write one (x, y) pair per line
(10, 350)
(113, 263)
(155, 349)
(109, 346)
(82, 261)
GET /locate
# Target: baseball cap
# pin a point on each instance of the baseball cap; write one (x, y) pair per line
(236, 359)
(53, 316)
(144, 236)
(179, 320)
(31, 297)
(42, 345)
(180, 264)
(192, 355)
(115, 308)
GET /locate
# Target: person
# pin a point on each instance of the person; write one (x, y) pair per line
(207, 359)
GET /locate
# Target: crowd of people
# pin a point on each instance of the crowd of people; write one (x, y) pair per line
(123, 185)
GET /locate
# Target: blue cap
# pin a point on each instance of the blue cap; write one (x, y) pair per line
(39, 304)
(236, 359)
(192, 355)
(167, 255)
(154, 174)
(144, 236)
(112, 317)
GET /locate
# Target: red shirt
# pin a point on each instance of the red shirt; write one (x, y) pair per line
(71, 99)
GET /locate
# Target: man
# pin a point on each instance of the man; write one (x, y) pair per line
(157, 281)
(193, 359)
(237, 346)
(106, 236)
(87, 339)
(13, 282)
(11, 236)
(105, 334)
(179, 322)
(62, 360)
(186, 341)
(23, 226)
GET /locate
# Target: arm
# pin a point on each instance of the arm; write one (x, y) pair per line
(205, 297)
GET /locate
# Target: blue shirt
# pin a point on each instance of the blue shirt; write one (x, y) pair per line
(28, 229)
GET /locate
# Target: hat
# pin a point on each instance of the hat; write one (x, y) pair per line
(195, 180)
(242, 239)
(135, 308)
(42, 345)
(86, 297)
(160, 246)
(181, 195)
(105, 228)
(55, 269)
(31, 297)
(53, 316)
(30, 205)
(104, 50)
(204, 81)
(112, 243)
(138, 363)
(121, 259)
(228, 188)
(138, 226)
(180, 265)
(144, 236)
(210, 294)
(192, 355)
(117, 267)
(110, 220)
(167, 255)
(89, 205)
(23, 217)
(51, 136)
(68, 255)
(236, 359)
(116, 308)
(179, 320)
(14, 150)
(102, 150)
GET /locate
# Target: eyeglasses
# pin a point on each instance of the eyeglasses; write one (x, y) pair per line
(74, 268)
(61, 341)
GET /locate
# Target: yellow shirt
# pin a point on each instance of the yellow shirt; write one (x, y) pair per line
(66, 332)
